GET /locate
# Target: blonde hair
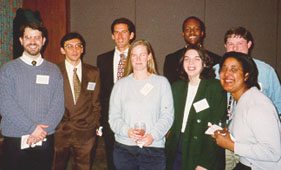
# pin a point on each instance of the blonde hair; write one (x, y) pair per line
(151, 67)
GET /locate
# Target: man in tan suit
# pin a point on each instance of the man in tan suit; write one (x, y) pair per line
(75, 135)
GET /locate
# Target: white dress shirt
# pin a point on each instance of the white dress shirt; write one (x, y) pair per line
(39, 60)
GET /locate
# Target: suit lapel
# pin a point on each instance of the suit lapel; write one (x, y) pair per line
(69, 102)
(111, 66)
(201, 91)
(199, 96)
(84, 84)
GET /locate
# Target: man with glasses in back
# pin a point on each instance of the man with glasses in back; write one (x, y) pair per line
(75, 136)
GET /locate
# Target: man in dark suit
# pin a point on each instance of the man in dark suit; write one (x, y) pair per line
(193, 31)
(123, 32)
(76, 134)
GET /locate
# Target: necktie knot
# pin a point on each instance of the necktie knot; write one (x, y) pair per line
(122, 56)
(75, 70)
(33, 63)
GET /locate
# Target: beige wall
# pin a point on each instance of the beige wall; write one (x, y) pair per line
(159, 22)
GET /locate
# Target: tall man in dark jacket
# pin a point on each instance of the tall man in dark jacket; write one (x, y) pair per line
(193, 31)
(123, 32)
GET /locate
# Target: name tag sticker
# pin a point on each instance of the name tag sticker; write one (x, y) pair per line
(201, 105)
(24, 145)
(42, 79)
(146, 89)
(91, 86)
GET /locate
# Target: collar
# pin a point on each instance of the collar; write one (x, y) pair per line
(186, 45)
(71, 67)
(119, 52)
(39, 60)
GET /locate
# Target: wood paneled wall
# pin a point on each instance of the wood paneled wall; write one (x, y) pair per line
(55, 16)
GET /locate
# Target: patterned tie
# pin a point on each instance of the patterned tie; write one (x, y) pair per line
(76, 85)
(121, 65)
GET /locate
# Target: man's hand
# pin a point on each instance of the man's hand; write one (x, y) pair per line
(37, 135)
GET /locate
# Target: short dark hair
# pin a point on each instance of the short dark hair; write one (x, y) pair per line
(207, 72)
(131, 26)
(202, 25)
(248, 66)
(70, 36)
(239, 32)
(34, 26)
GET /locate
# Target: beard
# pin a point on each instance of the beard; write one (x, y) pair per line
(32, 52)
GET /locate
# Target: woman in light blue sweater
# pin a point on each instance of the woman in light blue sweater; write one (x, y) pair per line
(141, 96)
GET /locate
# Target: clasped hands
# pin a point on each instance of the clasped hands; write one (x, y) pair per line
(37, 135)
(223, 139)
(146, 139)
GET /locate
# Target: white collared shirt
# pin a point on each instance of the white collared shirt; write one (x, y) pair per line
(116, 59)
(69, 69)
(39, 60)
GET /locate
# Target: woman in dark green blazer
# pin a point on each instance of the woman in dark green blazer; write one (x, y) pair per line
(198, 99)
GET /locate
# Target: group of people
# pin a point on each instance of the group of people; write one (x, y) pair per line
(55, 110)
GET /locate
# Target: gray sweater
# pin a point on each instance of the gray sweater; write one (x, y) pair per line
(130, 103)
(25, 103)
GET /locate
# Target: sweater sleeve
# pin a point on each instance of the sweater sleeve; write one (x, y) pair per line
(265, 126)
(116, 122)
(166, 118)
(56, 109)
(9, 108)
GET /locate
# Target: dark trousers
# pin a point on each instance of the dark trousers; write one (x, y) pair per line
(241, 166)
(135, 158)
(177, 164)
(109, 141)
(37, 158)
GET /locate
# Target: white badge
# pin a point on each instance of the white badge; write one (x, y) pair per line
(42, 79)
(146, 89)
(24, 144)
(201, 105)
(91, 86)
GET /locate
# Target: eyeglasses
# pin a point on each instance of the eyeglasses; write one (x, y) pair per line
(71, 46)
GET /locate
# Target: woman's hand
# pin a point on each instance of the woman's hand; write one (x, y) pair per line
(147, 139)
(133, 134)
(223, 139)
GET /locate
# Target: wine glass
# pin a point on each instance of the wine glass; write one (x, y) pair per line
(140, 128)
